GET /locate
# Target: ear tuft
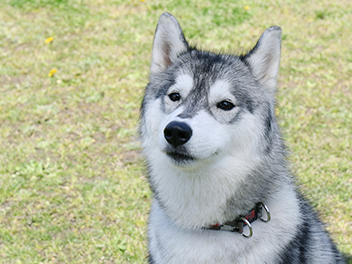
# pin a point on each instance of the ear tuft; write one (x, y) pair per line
(264, 58)
(169, 42)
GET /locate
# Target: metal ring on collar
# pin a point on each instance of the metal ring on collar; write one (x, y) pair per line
(249, 226)
(267, 213)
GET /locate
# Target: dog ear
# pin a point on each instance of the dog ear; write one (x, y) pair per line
(264, 58)
(169, 42)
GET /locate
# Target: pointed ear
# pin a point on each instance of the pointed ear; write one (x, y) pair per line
(264, 58)
(169, 42)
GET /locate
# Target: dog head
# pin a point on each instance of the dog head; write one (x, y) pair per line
(200, 107)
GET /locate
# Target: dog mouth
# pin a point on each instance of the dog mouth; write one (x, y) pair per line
(179, 157)
(182, 157)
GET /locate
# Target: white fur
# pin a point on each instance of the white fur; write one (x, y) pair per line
(195, 195)
(220, 91)
(168, 43)
(206, 246)
(266, 58)
(183, 85)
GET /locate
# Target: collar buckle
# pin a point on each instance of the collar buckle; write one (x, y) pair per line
(238, 224)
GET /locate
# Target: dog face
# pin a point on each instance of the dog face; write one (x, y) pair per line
(200, 107)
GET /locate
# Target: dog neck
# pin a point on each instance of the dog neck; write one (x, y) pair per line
(208, 195)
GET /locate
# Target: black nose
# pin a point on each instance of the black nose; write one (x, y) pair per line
(177, 133)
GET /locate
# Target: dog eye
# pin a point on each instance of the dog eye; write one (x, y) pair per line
(175, 97)
(225, 105)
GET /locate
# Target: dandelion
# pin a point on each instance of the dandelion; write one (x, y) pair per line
(142, 0)
(52, 72)
(246, 7)
(48, 40)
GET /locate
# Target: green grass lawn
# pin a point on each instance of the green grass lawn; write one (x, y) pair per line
(72, 181)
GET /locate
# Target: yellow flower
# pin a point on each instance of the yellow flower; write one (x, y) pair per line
(52, 72)
(277, 111)
(48, 40)
(246, 7)
(142, 0)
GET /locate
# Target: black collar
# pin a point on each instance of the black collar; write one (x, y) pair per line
(239, 223)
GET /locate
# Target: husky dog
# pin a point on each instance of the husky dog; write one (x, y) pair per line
(216, 161)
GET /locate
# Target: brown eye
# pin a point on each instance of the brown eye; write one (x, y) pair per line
(225, 105)
(175, 97)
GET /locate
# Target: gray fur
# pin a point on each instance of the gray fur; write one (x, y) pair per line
(234, 159)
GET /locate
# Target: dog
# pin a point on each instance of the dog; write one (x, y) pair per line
(217, 166)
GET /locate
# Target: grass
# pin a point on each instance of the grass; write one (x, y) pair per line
(73, 187)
